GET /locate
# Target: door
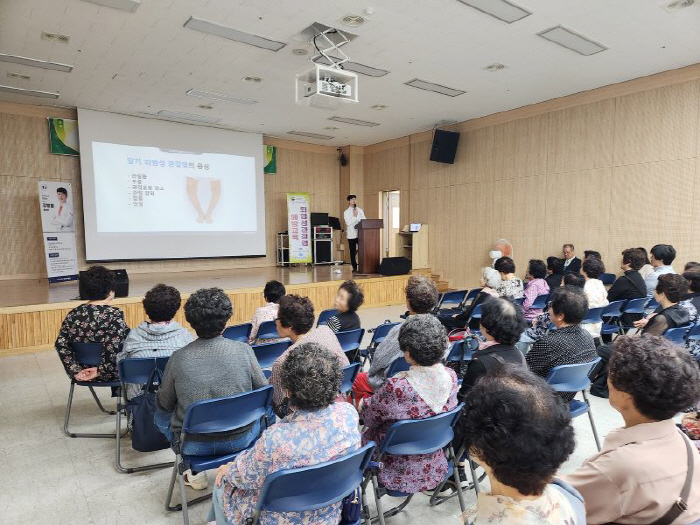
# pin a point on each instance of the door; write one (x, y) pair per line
(391, 215)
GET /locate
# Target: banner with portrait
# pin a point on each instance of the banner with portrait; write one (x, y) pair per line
(298, 226)
(58, 230)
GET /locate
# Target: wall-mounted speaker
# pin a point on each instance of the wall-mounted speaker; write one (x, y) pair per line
(444, 146)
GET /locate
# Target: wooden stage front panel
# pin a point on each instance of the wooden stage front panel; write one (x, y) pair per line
(34, 327)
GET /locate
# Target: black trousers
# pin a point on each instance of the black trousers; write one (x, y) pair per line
(353, 253)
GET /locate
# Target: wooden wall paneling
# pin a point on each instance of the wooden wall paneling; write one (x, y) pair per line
(581, 138)
(660, 124)
(520, 149)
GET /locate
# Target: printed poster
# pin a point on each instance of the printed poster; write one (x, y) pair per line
(270, 159)
(58, 230)
(63, 136)
(298, 226)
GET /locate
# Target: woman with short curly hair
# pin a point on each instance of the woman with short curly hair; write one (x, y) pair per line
(511, 286)
(317, 430)
(428, 388)
(640, 474)
(348, 299)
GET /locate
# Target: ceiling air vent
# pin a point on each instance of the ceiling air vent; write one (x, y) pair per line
(352, 20)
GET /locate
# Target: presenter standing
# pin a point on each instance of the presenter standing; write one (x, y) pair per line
(353, 215)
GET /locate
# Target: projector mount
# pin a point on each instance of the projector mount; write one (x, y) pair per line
(329, 48)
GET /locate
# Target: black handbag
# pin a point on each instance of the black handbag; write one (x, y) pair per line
(145, 436)
(351, 510)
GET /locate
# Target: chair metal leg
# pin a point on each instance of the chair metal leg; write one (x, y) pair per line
(475, 479)
(118, 459)
(590, 418)
(460, 496)
(377, 500)
(173, 478)
(66, 420)
(177, 467)
(99, 403)
(183, 496)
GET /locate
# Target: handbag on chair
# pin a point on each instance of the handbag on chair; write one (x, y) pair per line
(145, 436)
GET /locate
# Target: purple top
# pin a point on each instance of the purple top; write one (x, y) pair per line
(532, 290)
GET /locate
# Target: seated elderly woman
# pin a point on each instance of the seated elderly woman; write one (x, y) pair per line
(592, 269)
(642, 470)
(317, 430)
(273, 292)
(428, 388)
(520, 432)
(209, 367)
(348, 299)
(536, 286)
(511, 286)
(93, 322)
(490, 281)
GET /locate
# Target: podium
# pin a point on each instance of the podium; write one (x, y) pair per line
(368, 245)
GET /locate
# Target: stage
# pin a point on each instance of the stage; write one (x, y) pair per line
(31, 311)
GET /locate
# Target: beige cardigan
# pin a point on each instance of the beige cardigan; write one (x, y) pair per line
(638, 476)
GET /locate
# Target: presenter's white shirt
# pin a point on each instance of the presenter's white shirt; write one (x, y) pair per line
(352, 220)
(63, 216)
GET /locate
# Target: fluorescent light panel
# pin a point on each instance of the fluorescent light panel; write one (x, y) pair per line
(220, 96)
(437, 88)
(191, 117)
(355, 67)
(28, 92)
(571, 40)
(354, 121)
(34, 62)
(129, 6)
(233, 34)
(310, 135)
(501, 9)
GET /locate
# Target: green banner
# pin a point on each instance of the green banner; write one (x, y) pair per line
(270, 159)
(63, 136)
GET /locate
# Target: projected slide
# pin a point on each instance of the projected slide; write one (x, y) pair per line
(147, 189)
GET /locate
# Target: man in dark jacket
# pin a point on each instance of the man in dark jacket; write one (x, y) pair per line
(572, 264)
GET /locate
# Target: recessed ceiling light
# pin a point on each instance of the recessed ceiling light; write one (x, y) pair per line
(233, 34)
(330, 128)
(205, 106)
(355, 67)
(300, 51)
(354, 121)
(28, 92)
(437, 88)
(501, 9)
(571, 40)
(55, 37)
(310, 135)
(379, 107)
(220, 96)
(34, 62)
(254, 80)
(496, 66)
(189, 117)
(123, 5)
(18, 76)
(352, 20)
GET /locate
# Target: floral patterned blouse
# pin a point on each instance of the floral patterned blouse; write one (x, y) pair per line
(301, 439)
(511, 288)
(262, 314)
(93, 323)
(397, 400)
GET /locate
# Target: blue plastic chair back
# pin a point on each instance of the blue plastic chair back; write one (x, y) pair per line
(381, 332)
(350, 340)
(472, 294)
(613, 309)
(593, 316)
(314, 487)
(420, 436)
(571, 378)
(607, 278)
(677, 335)
(349, 375)
(397, 365)
(519, 301)
(694, 333)
(325, 315)
(653, 304)
(225, 414)
(540, 301)
(267, 353)
(88, 354)
(268, 330)
(463, 350)
(137, 370)
(239, 332)
(476, 312)
(454, 298)
(635, 306)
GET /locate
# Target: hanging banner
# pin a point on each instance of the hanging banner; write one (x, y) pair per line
(298, 226)
(270, 159)
(63, 136)
(57, 225)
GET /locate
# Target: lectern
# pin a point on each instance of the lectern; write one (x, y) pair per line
(368, 245)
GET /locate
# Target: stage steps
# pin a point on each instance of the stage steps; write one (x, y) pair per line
(442, 286)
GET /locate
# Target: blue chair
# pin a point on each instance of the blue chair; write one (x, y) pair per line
(652, 305)
(211, 416)
(415, 437)
(135, 370)
(325, 315)
(633, 307)
(471, 296)
(350, 341)
(594, 315)
(608, 278)
(677, 335)
(694, 333)
(267, 353)
(397, 365)
(349, 375)
(239, 332)
(463, 350)
(88, 355)
(378, 335)
(611, 315)
(519, 301)
(314, 487)
(268, 330)
(574, 378)
(450, 301)
(540, 301)
(476, 312)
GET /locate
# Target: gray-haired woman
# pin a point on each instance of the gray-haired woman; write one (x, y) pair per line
(490, 281)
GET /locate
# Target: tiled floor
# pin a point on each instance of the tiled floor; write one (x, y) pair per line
(50, 478)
